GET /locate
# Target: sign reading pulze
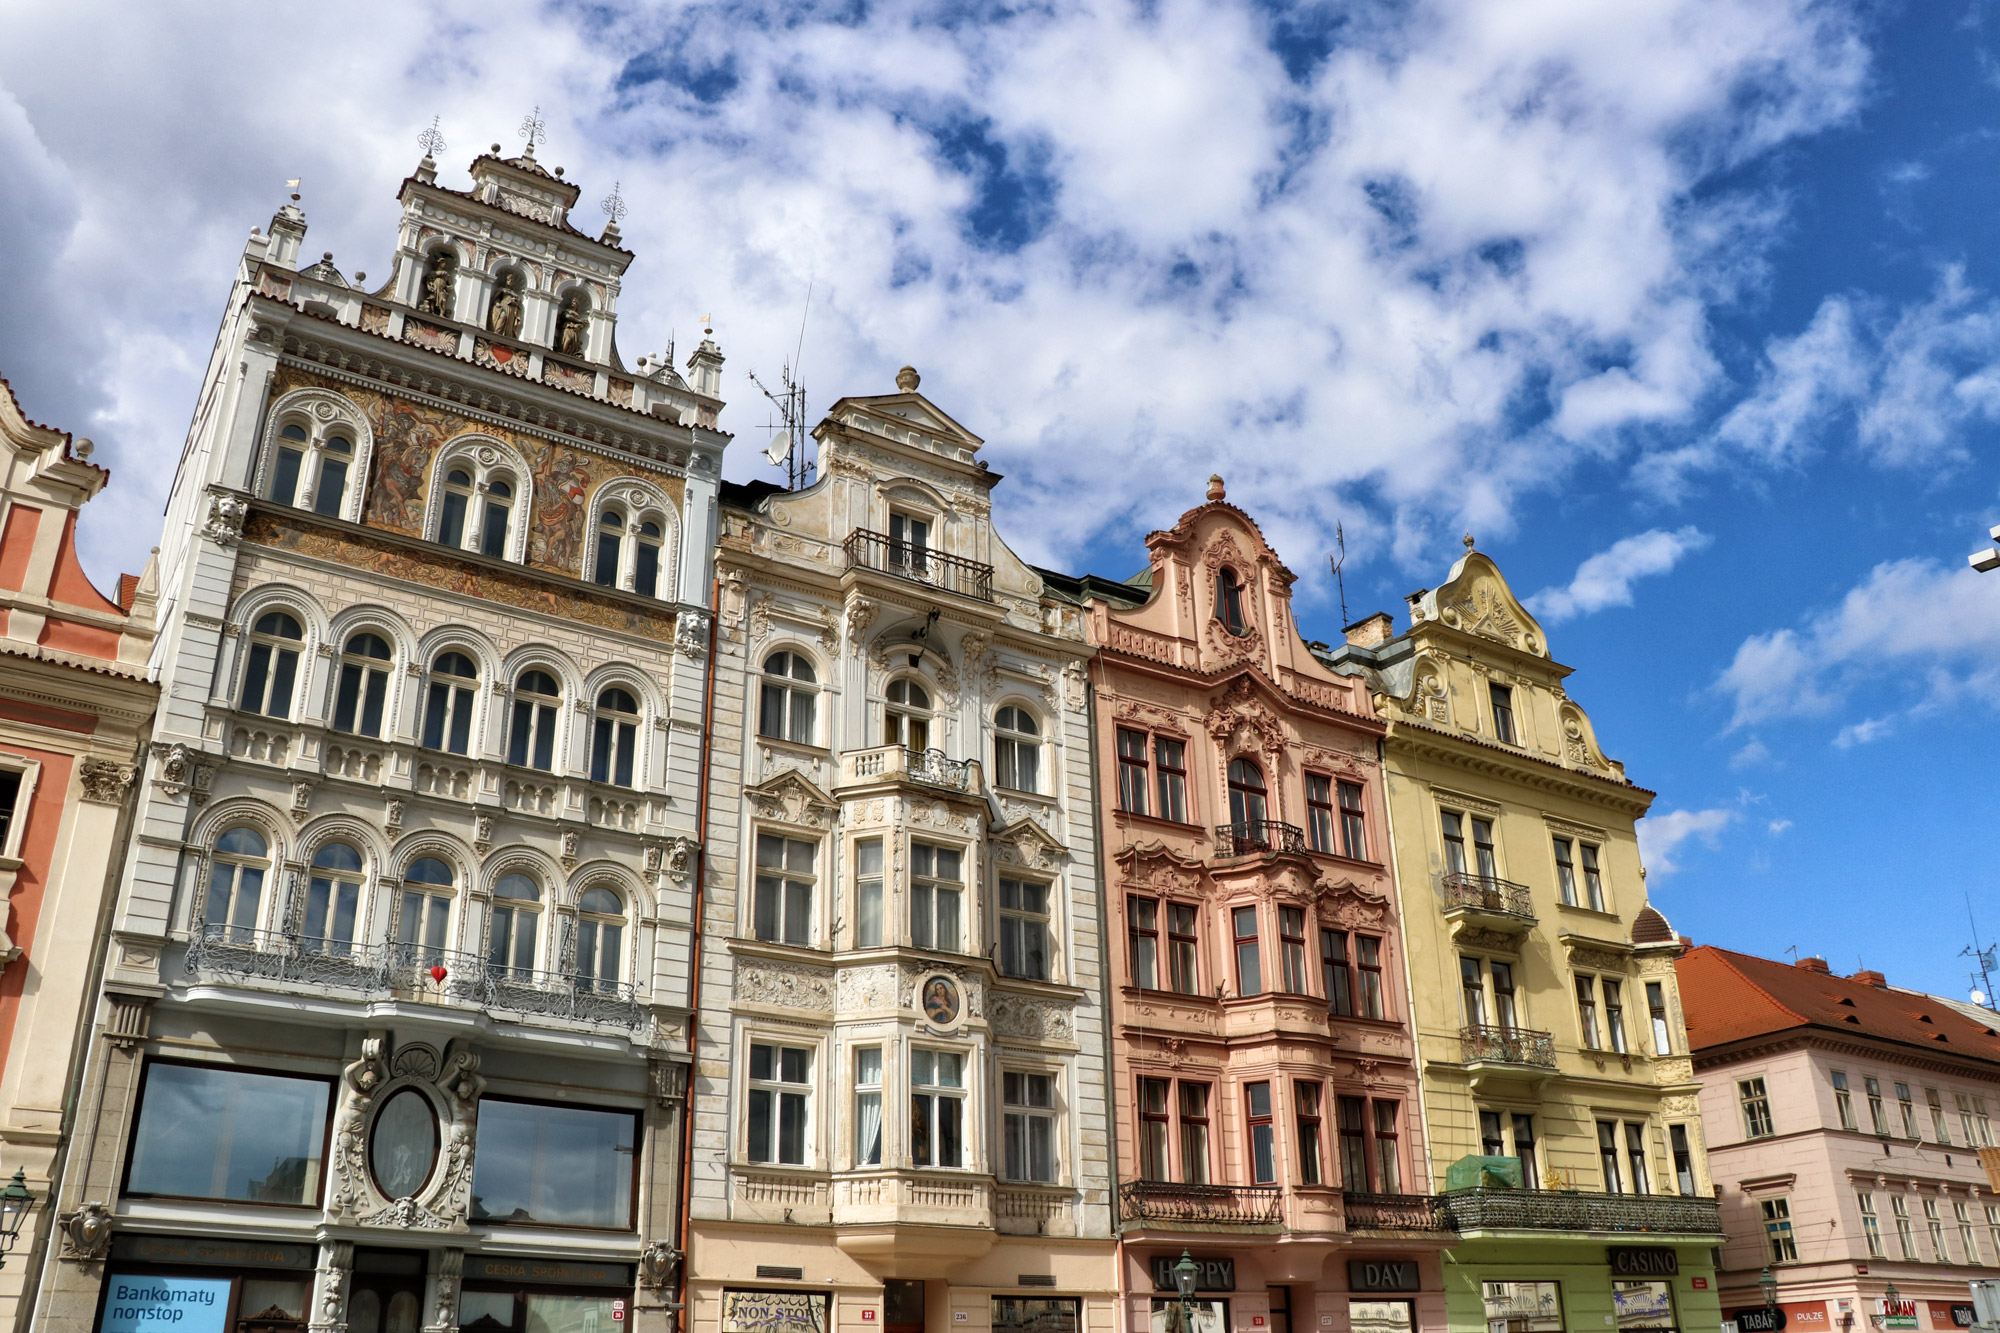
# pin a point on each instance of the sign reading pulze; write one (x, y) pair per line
(1383, 1275)
(1644, 1261)
(1210, 1274)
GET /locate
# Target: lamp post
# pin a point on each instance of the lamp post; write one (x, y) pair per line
(1889, 1298)
(1185, 1273)
(1769, 1286)
(16, 1201)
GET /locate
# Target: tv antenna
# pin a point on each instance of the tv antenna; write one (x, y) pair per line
(1340, 540)
(1982, 958)
(788, 433)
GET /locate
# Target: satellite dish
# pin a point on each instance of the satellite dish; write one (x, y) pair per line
(1979, 997)
(780, 445)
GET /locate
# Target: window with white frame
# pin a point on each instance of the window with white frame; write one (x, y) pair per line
(780, 1104)
(1017, 750)
(333, 900)
(630, 551)
(1028, 1114)
(906, 715)
(496, 515)
(1024, 929)
(1756, 1102)
(364, 685)
(1871, 1224)
(614, 737)
(476, 505)
(1968, 1234)
(610, 548)
(423, 916)
(1656, 1010)
(448, 707)
(600, 938)
(937, 892)
(1934, 1229)
(455, 507)
(237, 868)
(868, 894)
(17, 788)
(311, 464)
(531, 733)
(1777, 1214)
(517, 914)
(868, 1106)
(782, 898)
(1906, 1234)
(786, 698)
(937, 1108)
(271, 670)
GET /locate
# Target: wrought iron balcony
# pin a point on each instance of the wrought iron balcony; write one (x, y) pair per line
(1395, 1212)
(1479, 1044)
(1209, 1205)
(1553, 1210)
(919, 564)
(408, 971)
(929, 767)
(1255, 836)
(1485, 896)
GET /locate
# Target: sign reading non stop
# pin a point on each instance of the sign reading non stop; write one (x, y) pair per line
(147, 1303)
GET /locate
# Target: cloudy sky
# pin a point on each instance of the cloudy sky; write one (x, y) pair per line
(1686, 307)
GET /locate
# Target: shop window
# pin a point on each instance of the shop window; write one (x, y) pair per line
(1023, 1314)
(554, 1165)
(1370, 1316)
(494, 1301)
(1644, 1304)
(387, 1291)
(1523, 1307)
(1205, 1315)
(207, 1132)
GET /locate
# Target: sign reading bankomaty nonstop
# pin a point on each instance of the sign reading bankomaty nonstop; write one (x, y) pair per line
(135, 1303)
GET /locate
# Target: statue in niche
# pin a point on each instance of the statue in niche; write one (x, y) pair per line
(504, 317)
(570, 325)
(435, 299)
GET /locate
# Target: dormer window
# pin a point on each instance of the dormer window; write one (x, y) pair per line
(1229, 602)
(1503, 713)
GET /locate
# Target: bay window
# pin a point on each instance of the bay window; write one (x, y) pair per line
(937, 1108)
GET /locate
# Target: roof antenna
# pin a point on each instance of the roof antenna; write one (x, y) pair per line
(1793, 950)
(1340, 540)
(1983, 956)
(788, 440)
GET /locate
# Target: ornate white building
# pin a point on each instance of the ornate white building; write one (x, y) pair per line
(393, 1023)
(900, 1109)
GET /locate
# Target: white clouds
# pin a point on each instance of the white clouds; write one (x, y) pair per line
(1778, 827)
(1662, 835)
(1753, 755)
(1606, 579)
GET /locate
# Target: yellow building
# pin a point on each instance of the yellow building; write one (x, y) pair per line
(1559, 1099)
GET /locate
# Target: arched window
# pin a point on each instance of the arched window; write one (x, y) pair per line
(330, 492)
(600, 933)
(290, 460)
(333, 900)
(457, 504)
(614, 737)
(1246, 798)
(426, 911)
(364, 685)
(646, 559)
(510, 945)
(531, 737)
(1229, 601)
(236, 886)
(448, 712)
(1017, 749)
(610, 547)
(907, 718)
(273, 667)
(785, 708)
(312, 461)
(499, 510)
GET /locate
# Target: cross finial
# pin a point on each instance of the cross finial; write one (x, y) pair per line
(614, 204)
(533, 129)
(431, 141)
(1468, 541)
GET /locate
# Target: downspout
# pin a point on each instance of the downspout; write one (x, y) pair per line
(1409, 977)
(694, 955)
(1104, 966)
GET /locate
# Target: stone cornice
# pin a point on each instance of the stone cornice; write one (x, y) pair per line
(1858, 1046)
(1484, 759)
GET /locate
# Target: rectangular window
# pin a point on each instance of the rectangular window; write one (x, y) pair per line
(1353, 1113)
(1132, 773)
(780, 1093)
(1908, 1110)
(1486, 859)
(1194, 1133)
(1029, 1125)
(937, 1108)
(936, 891)
(1142, 927)
(207, 1132)
(868, 1106)
(1454, 842)
(1778, 1230)
(1024, 929)
(1614, 1013)
(1656, 1007)
(1353, 822)
(1505, 1014)
(1965, 1122)
(1181, 971)
(1593, 879)
(1388, 1159)
(1170, 758)
(1607, 1155)
(1877, 1115)
(1843, 1099)
(1153, 1126)
(868, 893)
(1756, 1108)
(1472, 988)
(1369, 950)
(1635, 1158)
(1292, 948)
(1586, 1011)
(1263, 1134)
(1249, 969)
(1906, 1235)
(554, 1165)
(1993, 1225)
(1524, 1148)
(1934, 1227)
(1319, 813)
(1938, 1126)
(1305, 1101)
(1492, 1134)
(1871, 1225)
(782, 905)
(1334, 972)
(1677, 1136)
(1968, 1235)
(1503, 713)
(1565, 873)
(1981, 1123)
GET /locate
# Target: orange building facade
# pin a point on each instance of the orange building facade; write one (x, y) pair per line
(1264, 1079)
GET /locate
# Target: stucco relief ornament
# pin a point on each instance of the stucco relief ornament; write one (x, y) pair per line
(104, 781)
(691, 635)
(1348, 904)
(860, 615)
(225, 519)
(659, 1266)
(176, 764)
(360, 1081)
(1238, 721)
(86, 1233)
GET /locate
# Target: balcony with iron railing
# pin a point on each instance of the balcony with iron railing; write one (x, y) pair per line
(1162, 1201)
(1507, 1047)
(1564, 1210)
(1497, 904)
(269, 959)
(896, 763)
(1394, 1212)
(1258, 837)
(918, 564)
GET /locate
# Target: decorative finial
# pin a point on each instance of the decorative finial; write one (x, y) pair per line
(614, 204)
(431, 140)
(293, 186)
(533, 129)
(1216, 490)
(907, 379)
(1468, 541)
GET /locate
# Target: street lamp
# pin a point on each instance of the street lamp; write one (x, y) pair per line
(15, 1202)
(1185, 1273)
(1769, 1286)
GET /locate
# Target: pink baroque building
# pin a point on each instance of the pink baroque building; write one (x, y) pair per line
(1265, 1091)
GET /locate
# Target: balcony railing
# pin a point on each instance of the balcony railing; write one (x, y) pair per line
(1213, 1205)
(387, 971)
(1483, 893)
(919, 564)
(1256, 836)
(1394, 1212)
(930, 767)
(1507, 1046)
(1552, 1210)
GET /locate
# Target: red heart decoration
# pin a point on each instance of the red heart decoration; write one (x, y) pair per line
(437, 975)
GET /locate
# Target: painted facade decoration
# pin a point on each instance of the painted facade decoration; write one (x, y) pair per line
(1263, 1067)
(1559, 1096)
(393, 1026)
(900, 1088)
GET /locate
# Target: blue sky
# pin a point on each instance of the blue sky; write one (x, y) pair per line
(1686, 307)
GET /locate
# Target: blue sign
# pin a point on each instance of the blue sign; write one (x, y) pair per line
(146, 1303)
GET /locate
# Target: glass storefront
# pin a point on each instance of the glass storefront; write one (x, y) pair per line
(199, 1286)
(749, 1311)
(1204, 1315)
(212, 1132)
(1051, 1314)
(555, 1165)
(1523, 1307)
(1644, 1304)
(543, 1296)
(1365, 1316)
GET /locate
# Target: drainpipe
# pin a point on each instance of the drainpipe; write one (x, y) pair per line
(1104, 965)
(694, 956)
(1409, 978)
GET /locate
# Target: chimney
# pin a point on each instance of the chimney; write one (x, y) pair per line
(1867, 978)
(1372, 631)
(1814, 965)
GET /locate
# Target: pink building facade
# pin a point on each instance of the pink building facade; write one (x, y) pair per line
(1265, 1093)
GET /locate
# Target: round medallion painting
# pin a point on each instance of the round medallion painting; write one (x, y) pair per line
(940, 1000)
(403, 1148)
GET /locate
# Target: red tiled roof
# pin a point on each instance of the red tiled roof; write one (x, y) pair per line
(1730, 997)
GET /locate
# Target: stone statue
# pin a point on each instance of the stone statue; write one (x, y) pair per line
(504, 318)
(569, 326)
(435, 299)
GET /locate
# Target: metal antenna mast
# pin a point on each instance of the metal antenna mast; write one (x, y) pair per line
(788, 440)
(1983, 957)
(1340, 540)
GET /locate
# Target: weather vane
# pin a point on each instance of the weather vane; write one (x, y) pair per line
(614, 204)
(532, 129)
(431, 141)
